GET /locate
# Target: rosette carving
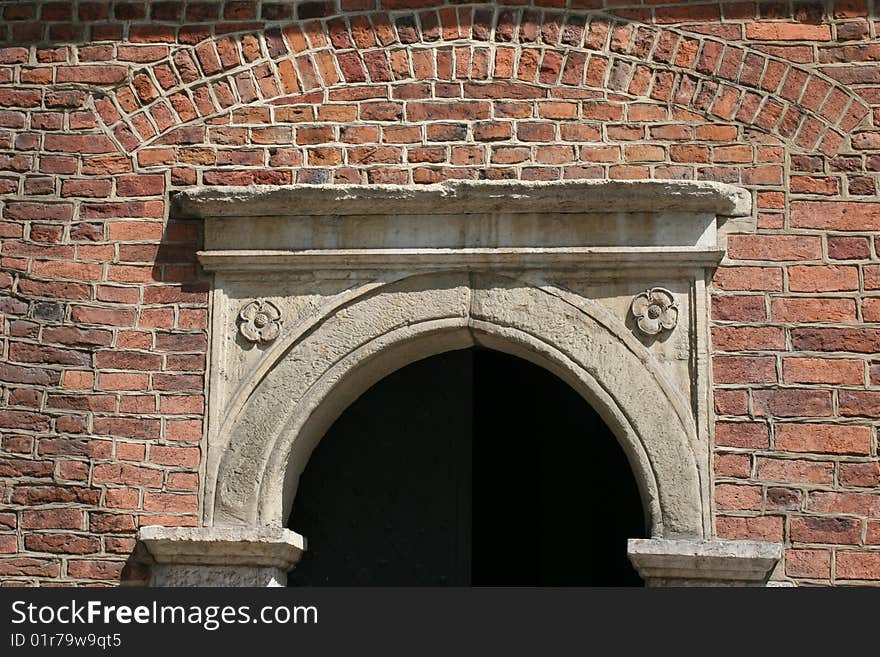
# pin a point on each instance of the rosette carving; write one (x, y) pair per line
(655, 311)
(260, 321)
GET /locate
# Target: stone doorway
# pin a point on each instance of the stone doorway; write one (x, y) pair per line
(322, 292)
(471, 467)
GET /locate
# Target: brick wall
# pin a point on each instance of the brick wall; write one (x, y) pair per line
(105, 107)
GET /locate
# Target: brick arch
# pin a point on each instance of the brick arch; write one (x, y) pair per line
(570, 54)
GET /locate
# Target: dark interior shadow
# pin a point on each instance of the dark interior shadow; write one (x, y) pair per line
(470, 468)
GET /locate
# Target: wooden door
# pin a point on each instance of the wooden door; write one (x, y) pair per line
(467, 468)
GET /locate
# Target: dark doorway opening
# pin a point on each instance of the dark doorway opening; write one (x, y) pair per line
(468, 468)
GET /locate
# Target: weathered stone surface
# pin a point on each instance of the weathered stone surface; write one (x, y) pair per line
(223, 546)
(216, 576)
(663, 562)
(468, 197)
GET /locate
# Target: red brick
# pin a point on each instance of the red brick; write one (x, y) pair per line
(89, 188)
(175, 456)
(125, 474)
(858, 565)
(32, 211)
(749, 435)
(127, 427)
(62, 543)
(860, 474)
(746, 338)
(733, 465)
(111, 522)
(93, 569)
(52, 519)
(823, 370)
(819, 529)
(104, 74)
(24, 468)
(140, 185)
(436, 111)
(744, 369)
(171, 502)
(774, 247)
(811, 564)
(731, 402)
(816, 309)
(37, 495)
(792, 403)
(764, 528)
(122, 498)
(737, 497)
(748, 278)
(119, 381)
(836, 339)
(184, 430)
(823, 278)
(833, 215)
(70, 143)
(823, 438)
(860, 504)
(739, 308)
(183, 481)
(854, 402)
(29, 567)
(795, 471)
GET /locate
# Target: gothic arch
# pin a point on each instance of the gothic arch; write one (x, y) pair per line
(351, 348)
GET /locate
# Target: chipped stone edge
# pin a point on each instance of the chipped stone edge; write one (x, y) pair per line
(223, 546)
(713, 562)
(467, 197)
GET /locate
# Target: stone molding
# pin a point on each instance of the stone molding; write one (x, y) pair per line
(593, 258)
(467, 197)
(664, 562)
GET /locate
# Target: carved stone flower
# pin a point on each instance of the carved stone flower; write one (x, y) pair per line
(260, 321)
(655, 311)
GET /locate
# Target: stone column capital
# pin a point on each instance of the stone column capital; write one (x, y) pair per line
(221, 556)
(703, 562)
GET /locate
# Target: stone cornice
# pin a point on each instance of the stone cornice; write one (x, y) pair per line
(467, 197)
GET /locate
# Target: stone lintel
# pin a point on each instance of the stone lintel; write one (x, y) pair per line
(695, 562)
(467, 197)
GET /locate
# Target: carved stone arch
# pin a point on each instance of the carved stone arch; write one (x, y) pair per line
(320, 292)
(303, 393)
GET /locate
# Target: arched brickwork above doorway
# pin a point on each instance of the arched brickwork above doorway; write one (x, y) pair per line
(417, 65)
